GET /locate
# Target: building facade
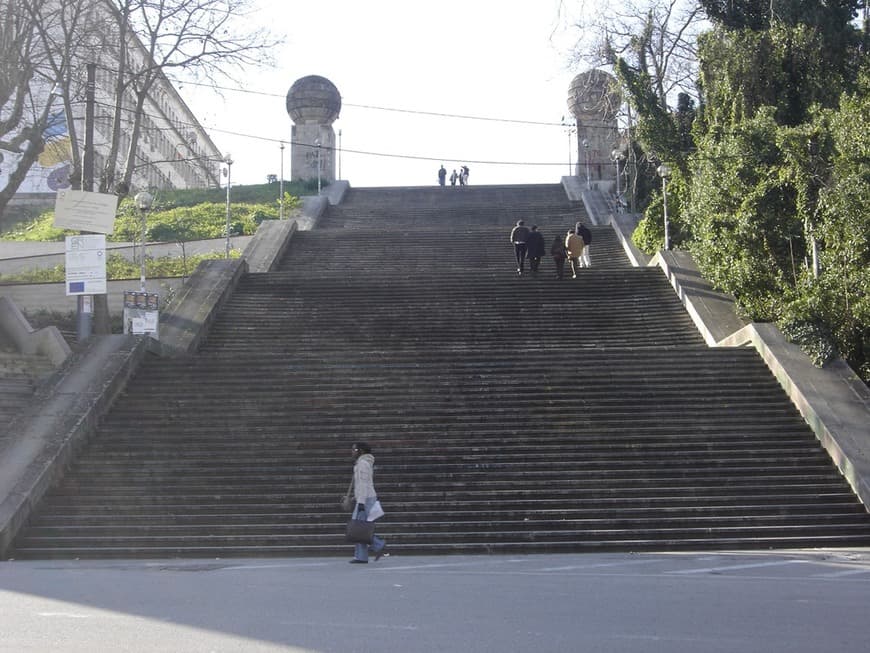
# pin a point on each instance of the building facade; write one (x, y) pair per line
(173, 150)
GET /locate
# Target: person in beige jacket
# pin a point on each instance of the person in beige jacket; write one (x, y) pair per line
(366, 497)
(574, 247)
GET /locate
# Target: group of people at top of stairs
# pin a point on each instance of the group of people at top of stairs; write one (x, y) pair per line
(573, 246)
(461, 176)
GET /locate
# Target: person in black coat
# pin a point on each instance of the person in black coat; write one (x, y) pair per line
(519, 234)
(535, 248)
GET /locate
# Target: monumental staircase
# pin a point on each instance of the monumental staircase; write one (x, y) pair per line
(507, 413)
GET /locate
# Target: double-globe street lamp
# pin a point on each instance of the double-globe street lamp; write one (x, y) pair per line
(617, 156)
(664, 172)
(143, 200)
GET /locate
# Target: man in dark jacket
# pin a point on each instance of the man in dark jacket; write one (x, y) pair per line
(519, 235)
(583, 231)
(535, 247)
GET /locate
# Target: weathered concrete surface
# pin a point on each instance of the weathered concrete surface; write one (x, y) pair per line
(47, 341)
(624, 225)
(832, 399)
(336, 191)
(712, 311)
(269, 244)
(40, 443)
(187, 320)
(574, 189)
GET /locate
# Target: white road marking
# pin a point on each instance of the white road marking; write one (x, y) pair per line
(624, 563)
(442, 565)
(755, 565)
(281, 566)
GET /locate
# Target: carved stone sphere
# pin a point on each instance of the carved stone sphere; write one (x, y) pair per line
(313, 99)
(592, 93)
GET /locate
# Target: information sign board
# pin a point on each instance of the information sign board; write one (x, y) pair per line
(86, 211)
(86, 265)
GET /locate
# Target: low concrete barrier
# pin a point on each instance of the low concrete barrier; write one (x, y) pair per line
(713, 312)
(47, 341)
(186, 321)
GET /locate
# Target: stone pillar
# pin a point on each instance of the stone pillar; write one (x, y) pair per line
(594, 104)
(313, 103)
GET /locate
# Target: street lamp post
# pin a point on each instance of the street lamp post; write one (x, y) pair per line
(229, 161)
(570, 129)
(339, 154)
(616, 155)
(664, 172)
(317, 145)
(143, 201)
(281, 185)
(586, 150)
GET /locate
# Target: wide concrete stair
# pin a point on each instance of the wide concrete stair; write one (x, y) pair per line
(507, 413)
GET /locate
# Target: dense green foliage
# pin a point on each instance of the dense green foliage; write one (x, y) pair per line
(772, 192)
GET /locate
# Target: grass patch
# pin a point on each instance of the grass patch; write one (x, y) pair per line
(119, 268)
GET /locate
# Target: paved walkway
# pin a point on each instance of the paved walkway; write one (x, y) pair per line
(18, 256)
(765, 602)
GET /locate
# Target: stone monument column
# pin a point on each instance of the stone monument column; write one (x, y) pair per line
(594, 104)
(313, 104)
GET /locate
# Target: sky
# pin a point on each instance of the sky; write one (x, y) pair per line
(405, 70)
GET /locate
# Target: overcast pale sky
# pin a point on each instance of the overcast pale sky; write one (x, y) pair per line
(485, 58)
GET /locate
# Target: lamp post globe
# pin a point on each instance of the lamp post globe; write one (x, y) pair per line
(143, 200)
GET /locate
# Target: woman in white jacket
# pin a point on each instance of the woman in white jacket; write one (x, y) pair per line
(366, 497)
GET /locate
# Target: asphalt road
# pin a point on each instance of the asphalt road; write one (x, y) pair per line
(766, 602)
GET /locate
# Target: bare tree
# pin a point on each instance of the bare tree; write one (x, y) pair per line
(199, 38)
(46, 44)
(650, 45)
(659, 37)
(25, 104)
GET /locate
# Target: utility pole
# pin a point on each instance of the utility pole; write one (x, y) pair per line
(98, 304)
(85, 303)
